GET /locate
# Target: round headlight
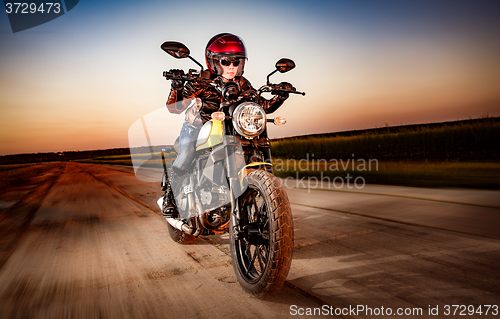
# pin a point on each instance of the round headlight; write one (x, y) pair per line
(249, 119)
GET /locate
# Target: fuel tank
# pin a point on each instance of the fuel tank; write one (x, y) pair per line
(210, 135)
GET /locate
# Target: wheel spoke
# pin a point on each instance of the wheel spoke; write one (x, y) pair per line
(245, 250)
(263, 214)
(248, 252)
(250, 207)
(254, 248)
(261, 262)
(252, 263)
(255, 210)
(262, 208)
(266, 225)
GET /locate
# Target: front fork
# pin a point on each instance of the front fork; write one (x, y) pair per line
(264, 146)
(234, 182)
(266, 156)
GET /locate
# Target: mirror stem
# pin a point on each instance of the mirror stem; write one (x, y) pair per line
(201, 66)
(270, 75)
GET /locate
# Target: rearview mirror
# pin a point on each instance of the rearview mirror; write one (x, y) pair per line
(285, 65)
(175, 49)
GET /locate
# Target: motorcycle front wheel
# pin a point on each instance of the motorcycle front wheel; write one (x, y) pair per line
(262, 250)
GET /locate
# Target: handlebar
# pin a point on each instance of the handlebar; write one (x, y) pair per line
(187, 77)
(193, 75)
(274, 87)
(294, 92)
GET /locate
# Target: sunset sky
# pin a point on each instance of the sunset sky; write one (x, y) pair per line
(80, 81)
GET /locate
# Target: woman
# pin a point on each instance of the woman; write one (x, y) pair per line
(225, 55)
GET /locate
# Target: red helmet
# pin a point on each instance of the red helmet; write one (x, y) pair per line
(225, 46)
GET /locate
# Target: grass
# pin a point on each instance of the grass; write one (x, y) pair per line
(8, 167)
(115, 159)
(151, 159)
(484, 175)
(458, 154)
(468, 141)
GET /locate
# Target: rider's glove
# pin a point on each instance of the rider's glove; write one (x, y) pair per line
(177, 84)
(249, 95)
(283, 86)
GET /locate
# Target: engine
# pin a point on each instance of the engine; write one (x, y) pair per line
(214, 197)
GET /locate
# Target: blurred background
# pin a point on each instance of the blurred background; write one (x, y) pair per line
(80, 81)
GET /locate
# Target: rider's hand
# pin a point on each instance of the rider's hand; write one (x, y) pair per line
(283, 86)
(177, 84)
(249, 95)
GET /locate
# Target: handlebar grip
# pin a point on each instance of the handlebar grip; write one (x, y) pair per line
(275, 87)
(290, 91)
(295, 92)
(170, 76)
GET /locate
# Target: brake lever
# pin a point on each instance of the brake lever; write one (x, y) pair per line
(274, 87)
(294, 92)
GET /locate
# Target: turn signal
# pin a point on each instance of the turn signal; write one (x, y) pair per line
(218, 116)
(279, 121)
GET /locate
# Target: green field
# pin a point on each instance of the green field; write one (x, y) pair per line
(457, 154)
(116, 160)
(8, 167)
(153, 159)
(406, 173)
(455, 141)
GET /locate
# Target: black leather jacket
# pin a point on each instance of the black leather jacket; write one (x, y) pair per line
(211, 97)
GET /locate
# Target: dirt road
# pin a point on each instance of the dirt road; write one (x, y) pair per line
(86, 241)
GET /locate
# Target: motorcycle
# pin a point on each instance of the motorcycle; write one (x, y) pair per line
(230, 186)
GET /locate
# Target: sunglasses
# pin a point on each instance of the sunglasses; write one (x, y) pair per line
(228, 62)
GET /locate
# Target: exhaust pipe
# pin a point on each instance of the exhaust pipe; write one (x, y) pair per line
(181, 225)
